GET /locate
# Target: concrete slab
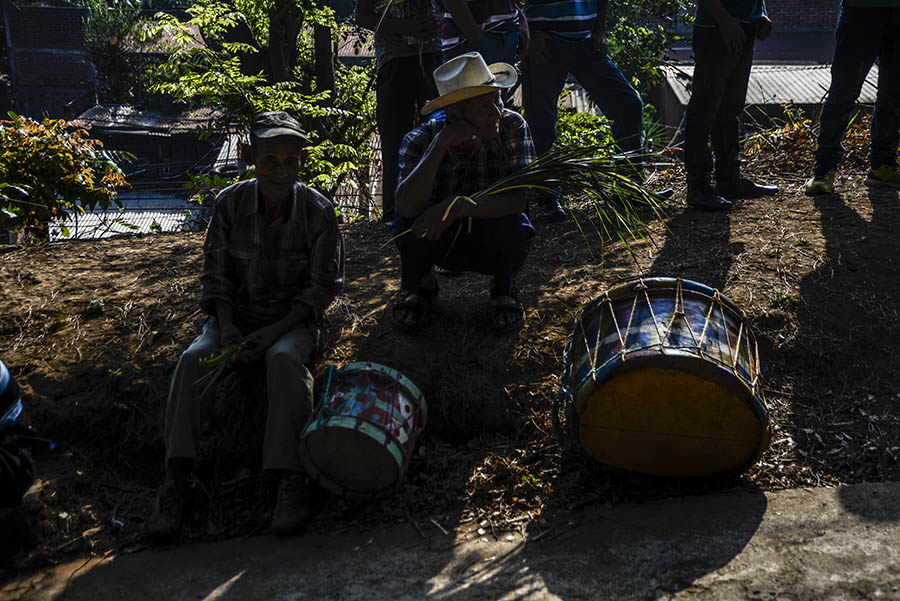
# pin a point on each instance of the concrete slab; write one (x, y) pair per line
(799, 545)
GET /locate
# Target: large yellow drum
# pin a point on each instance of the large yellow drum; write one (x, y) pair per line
(661, 377)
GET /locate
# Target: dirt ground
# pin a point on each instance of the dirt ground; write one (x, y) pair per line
(92, 330)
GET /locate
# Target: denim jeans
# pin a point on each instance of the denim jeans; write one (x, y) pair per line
(718, 92)
(497, 247)
(402, 88)
(863, 35)
(494, 48)
(598, 75)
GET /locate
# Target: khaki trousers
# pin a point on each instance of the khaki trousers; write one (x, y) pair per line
(289, 388)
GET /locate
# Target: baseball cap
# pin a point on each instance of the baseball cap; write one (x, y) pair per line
(272, 124)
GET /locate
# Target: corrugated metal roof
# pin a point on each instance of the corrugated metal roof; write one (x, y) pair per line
(124, 117)
(777, 84)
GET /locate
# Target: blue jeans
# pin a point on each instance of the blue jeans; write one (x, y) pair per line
(497, 247)
(718, 92)
(863, 35)
(401, 90)
(598, 75)
(494, 48)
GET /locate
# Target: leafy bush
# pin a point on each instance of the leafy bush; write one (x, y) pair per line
(212, 69)
(49, 169)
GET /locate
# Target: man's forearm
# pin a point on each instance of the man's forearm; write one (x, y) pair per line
(224, 313)
(414, 191)
(462, 16)
(492, 207)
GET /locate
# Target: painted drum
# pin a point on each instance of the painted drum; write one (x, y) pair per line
(661, 377)
(359, 442)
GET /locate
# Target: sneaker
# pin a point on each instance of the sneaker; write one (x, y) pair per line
(742, 187)
(820, 184)
(886, 175)
(292, 504)
(703, 197)
(169, 511)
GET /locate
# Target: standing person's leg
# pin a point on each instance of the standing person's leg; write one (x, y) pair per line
(186, 410)
(886, 117)
(854, 54)
(426, 89)
(541, 85)
(396, 97)
(289, 388)
(712, 64)
(493, 47)
(612, 92)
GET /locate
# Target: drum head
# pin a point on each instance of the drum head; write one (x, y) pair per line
(671, 416)
(350, 461)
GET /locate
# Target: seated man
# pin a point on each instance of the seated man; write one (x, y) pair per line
(471, 145)
(273, 261)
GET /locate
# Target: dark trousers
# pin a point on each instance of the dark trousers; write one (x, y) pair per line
(497, 247)
(718, 92)
(863, 35)
(403, 86)
(600, 77)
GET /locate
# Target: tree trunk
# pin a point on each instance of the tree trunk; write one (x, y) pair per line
(324, 60)
(285, 21)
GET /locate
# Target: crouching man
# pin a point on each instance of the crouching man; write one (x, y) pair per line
(273, 261)
(470, 145)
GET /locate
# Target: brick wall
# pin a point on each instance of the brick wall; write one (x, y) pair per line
(803, 15)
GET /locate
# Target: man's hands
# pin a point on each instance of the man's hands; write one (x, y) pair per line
(732, 33)
(599, 43)
(229, 334)
(763, 28)
(458, 133)
(430, 224)
(421, 26)
(257, 343)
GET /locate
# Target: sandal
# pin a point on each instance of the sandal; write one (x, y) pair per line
(414, 304)
(504, 307)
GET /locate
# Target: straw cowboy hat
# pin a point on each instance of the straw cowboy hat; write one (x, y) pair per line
(467, 76)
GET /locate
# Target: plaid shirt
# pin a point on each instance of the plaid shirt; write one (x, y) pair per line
(263, 268)
(467, 172)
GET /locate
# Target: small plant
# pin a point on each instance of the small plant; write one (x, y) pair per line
(57, 169)
(786, 302)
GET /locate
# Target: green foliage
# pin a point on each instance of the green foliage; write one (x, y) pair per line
(640, 32)
(210, 68)
(581, 130)
(111, 36)
(49, 169)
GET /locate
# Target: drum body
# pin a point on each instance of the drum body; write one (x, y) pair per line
(662, 377)
(360, 440)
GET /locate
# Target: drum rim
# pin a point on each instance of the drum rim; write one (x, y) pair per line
(393, 374)
(329, 483)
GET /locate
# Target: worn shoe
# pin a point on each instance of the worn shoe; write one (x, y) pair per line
(703, 197)
(292, 504)
(744, 188)
(886, 175)
(820, 184)
(169, 511)
(551, 209)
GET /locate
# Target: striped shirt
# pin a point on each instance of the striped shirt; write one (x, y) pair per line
(573, 19)
(264, 267)
(467, 172)
(497, 16)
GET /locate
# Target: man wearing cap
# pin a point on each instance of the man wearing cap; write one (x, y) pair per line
(273, 261)
(463, 149)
